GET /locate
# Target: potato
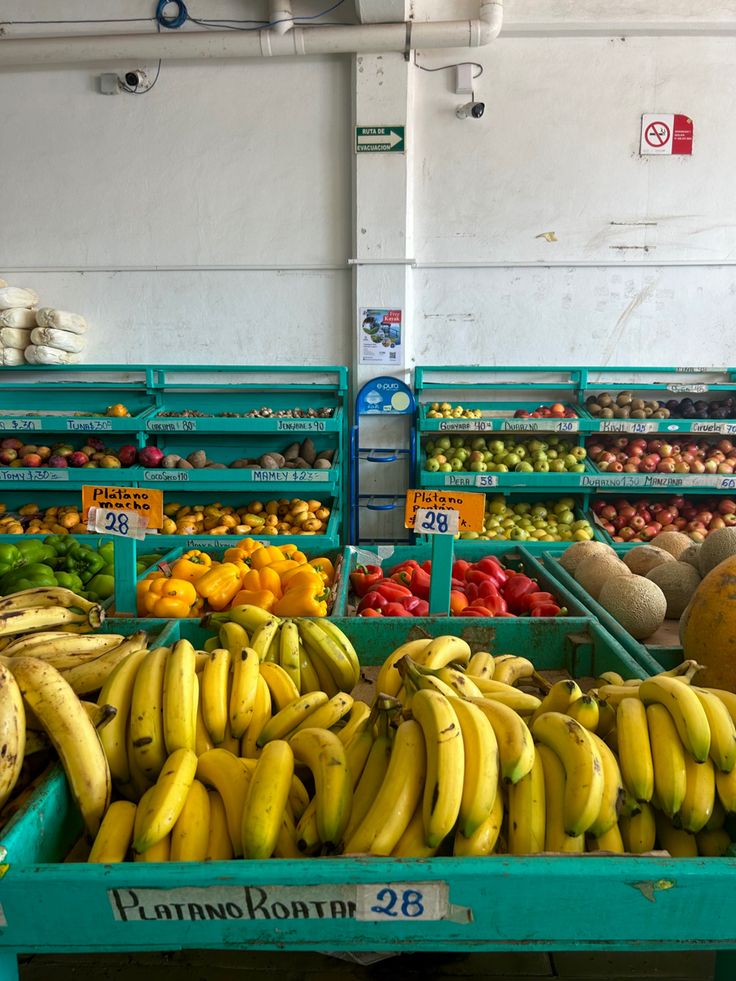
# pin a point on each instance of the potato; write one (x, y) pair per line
(198, 459)
(308, 452)
(170, 461)
(322, 464)
(291, 452)
(272, 461)
(183, 464)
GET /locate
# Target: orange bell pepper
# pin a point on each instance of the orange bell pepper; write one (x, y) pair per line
(219, 585)
(255, 597)
(305, 601)
(458, 602)
(264, 578)
(165, 597)
(191, 566)
(304, 575)
(325, 568)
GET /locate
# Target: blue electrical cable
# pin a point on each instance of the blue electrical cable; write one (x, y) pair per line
(172, 21)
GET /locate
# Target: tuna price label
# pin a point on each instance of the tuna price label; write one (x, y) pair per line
(24, 474)
(627, 426)
(19, 425)
(387, 902)
(88, 425)
(172, 426)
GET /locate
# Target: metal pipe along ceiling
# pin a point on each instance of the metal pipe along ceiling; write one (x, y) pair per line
(42, 52)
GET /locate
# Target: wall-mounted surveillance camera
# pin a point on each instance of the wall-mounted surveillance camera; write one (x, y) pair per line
(135, 80)
(471, 110)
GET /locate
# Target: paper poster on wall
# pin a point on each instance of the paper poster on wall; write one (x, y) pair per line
(380, 336)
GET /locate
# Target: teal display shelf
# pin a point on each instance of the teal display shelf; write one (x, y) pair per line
(511, 480)
(344, 904)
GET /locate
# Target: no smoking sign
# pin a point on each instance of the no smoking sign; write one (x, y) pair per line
(666, 133)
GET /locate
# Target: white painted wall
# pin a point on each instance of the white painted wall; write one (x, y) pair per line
(248, 166)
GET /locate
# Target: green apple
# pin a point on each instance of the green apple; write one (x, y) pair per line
(445, 468)
(541, 466)
(432, 465)
(524, 467)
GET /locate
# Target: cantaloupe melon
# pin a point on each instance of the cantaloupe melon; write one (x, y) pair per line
(594, 571)
(638, 604)
(576, 553)
(672, 541)
(692, 556)
(708, 627)
(717, 547)
(678, 581)
(644, 558)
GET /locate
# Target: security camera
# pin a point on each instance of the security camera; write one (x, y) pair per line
(471, 110)
(135, 80)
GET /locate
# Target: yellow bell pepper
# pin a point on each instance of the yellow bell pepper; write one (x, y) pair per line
(219, 585)
(305, 601)
(286, 565)
(264, 578)
(304, 575)
(165, 597)
(325, 568)
(191, 566)
(266, 556)
(249, 545)
(263, 598)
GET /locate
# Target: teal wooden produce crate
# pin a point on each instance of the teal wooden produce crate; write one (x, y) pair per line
(512, 556)
(350, 904)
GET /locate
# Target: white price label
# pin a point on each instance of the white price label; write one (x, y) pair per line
(19, 425)
(300, 426)
(693, 371)
(393, 901)
(22, 474)
(88, 425)
(290, 476)
(123, 524)
(168, 476)
(432, 521)
(456, 426)
(627, 426)
(717, 427)
(470, 480)
(541, 425)
(172, 426)
(687, 389)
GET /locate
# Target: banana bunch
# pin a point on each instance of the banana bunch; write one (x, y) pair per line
(315, 654)
(46, 608)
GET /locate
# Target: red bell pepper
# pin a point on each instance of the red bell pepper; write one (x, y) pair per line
(493, 567)
(416, 606)
(409, 564)
(364, 577)
(458, 602)
(476, 576)
(475, 611)
(427, 567)
(372, 601)
(457, 584)
(516, 587)
(529, 600)
(496, 604)
(459, 568)
(392, 591)
(417, 580)
(370, 613)
(395, 610)
(548, 610)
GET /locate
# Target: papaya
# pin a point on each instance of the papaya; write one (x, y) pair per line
(708, 627)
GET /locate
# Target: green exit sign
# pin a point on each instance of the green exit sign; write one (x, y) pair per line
(379, 139)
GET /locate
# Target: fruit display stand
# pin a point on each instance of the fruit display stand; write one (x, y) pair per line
(241, 412)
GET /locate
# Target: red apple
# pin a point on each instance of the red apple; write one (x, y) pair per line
(725, 445)
(627, 534)
(727, 506)
(666, 466)
(637, 522)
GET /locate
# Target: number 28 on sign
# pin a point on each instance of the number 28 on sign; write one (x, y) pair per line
(123, 524)
(444, 512)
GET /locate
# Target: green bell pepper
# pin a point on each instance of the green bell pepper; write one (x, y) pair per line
(69, 580)
(85, 562)
(10, 557)
(107, 551)
(32, 551)
(102, 586)
(61, 544)
(31, 576)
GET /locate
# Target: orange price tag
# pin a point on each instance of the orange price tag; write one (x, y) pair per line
(149, 504)
(470, 507)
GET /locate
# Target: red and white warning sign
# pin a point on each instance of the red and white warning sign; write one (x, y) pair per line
(666, 133)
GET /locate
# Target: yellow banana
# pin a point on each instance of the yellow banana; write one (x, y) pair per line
(225, 773)
(615, 694)
(74, 737)
(370, 781)
(718, 816)
(286, 843)
(684, 705)
(609, 841)
(62, 650)
(113, 840)
(308, 677)
(680, 844)
(180, 721)
(324, 754)
(214, 690)
(481, 665)
(445, 763)
(480, 781)
(391, 810)
(48, 617)
(727, 697)
(190, 834)
(412, 844)
(610, 678)
(515, 743)
(325, 651)
(219, 846)
(244, 691)
(248, 616)
(211, 644)
(514, 699)
(483, 840)
(267, 799)
(357, 751)
(118, 691)
(638, 831)
(12, 733)
(527, 816)
(556, 838)
(233, 637)
(262, 637)
(358, 720)
(461, 683)
(43, 596)
(388, 681)
(606, 718)
(343, 642)
(558, 699)
(634, 749)
(293, 715)
(513, 669)
(585, 711)
(584, 781)
(258, 720)
(327, 715)
(161, 851)
(726, 788)
(320, 671)
(713, 844)
(298, 797)
(289, 654)
(139, 781)
(446, 649)
(91, 675)
(722, 731)
(668, 756)
(146, 713)
(306, 831)
(282, 688)
(700, 791)
(161, 806)
(202, 738)
(613, 790)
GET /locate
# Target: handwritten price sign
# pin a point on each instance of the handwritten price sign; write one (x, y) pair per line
(123, 524)
(469, 510)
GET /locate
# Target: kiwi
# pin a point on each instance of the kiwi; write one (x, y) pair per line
(605, 400)
(607, 413)
(638, 403)
(638, 413)
(624, 398)
(594, 409)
